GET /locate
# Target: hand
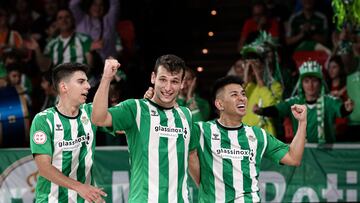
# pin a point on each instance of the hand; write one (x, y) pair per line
(91, 193)
(98, 44)
(110, 68)
(149, 93)
(31, 44)
(349, 105)
(299, 112)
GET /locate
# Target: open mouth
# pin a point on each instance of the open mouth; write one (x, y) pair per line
(241, 106)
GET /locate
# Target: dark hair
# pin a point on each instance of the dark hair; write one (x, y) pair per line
(64, 70)
(342, 74)
(73, 26)
(191, 71)
(172, 63)
(14, 67)
(222, 82)
(85, 5)
(47, 76)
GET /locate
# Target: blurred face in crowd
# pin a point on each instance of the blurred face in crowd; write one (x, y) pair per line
(167, 86)
(51, 7)
(239, 68)
(231, 101)
(64, 21)
(14, 77)
(311, 86)
(46, 86)
(333, 70)
(308, 4)
(3, 18)
(188, 79)
(97, 8)
(258, 12)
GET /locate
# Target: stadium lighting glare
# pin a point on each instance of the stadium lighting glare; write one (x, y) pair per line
(210, 33)
(213, 12)
(205, 51)
(200, 69)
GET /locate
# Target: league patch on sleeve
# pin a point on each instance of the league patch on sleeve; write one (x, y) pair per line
(39, 137)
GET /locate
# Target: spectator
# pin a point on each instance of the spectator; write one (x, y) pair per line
(99, 21)
(322, 109)
(68, 46)
(15, 78)
(258, 22)
(23, 17)
(42, 29)
(50, 93)
(336, 81)
(200, 108)
(307, 29)
(8, 38)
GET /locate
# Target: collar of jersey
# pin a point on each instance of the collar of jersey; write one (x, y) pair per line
(228, 128)
(158, 106)
(68, 117)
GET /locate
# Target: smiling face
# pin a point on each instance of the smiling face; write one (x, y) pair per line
(75, 87)
(231, 101)
(167, 86)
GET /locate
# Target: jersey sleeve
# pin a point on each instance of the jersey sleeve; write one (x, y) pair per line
(275, 149)
(123, 115)
(41, 135)
(195, 136)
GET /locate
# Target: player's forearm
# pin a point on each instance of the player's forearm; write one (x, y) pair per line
(298, 143)
(194, 167)
(100, 103)
(54, 175)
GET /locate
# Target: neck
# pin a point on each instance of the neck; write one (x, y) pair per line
(308, 13)
(311, 97)
(67, 109)
(162, 104)
(229, 121)
(335, 82)
(66, 34)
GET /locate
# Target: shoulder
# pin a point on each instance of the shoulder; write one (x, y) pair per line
(44, 115)
(82, 37)
(52, 42)
(295, 16)
(320, 15)
(292, 99)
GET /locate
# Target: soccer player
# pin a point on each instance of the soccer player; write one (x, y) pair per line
(157, 130)
(63, 141)
(229, 152)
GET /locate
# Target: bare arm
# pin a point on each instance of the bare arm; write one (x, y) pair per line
(42, 61)
(100, 115)
(294, 156)
(194, 167)
(46, 170)
(76, 10)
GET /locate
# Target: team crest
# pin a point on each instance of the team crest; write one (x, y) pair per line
(84, 120)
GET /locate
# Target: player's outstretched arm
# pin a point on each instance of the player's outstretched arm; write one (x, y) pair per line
(48, 171)
(100, 115)
(294, 156)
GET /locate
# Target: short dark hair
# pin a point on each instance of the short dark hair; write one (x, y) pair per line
(222, 82)
(64, 70)
(172, 63)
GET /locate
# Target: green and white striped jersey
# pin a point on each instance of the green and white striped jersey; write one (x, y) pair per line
(159, 142)
(79, 45)
(230, 160)
(70, 142)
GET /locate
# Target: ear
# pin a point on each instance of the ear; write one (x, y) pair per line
(153, 77)
(182, 84)
(219, 105)
(62, 87)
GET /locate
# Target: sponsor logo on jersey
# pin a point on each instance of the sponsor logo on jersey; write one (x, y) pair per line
(169, 132)
(69, 145)
(232, 153)
(39, 137)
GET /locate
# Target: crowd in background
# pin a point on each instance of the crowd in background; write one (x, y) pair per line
(37, 36)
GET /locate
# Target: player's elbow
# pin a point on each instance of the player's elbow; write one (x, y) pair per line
(96, 120)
